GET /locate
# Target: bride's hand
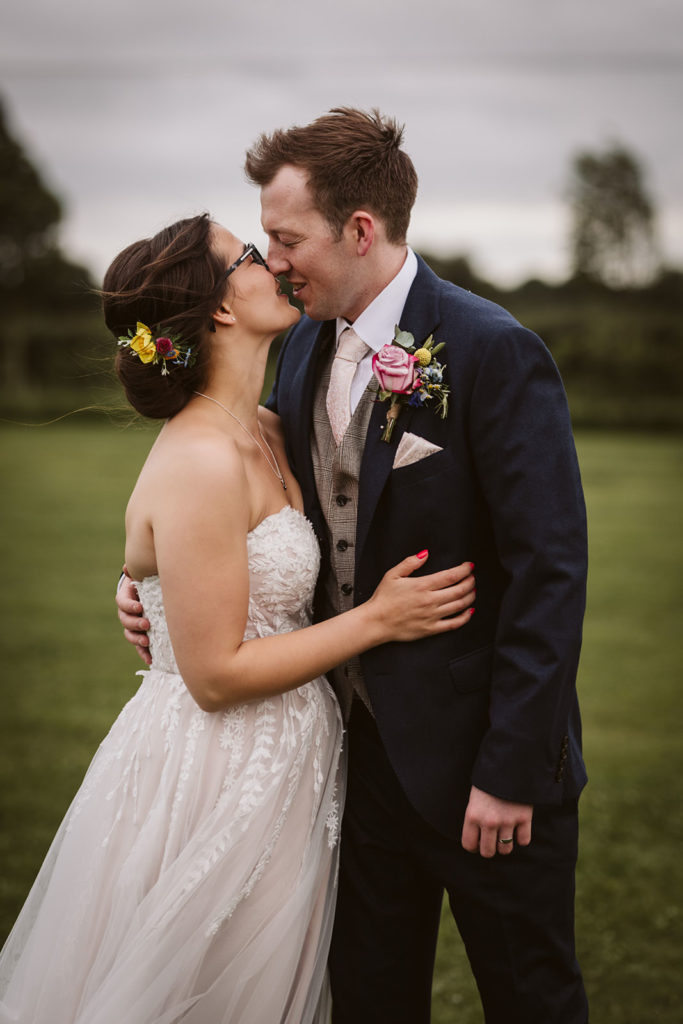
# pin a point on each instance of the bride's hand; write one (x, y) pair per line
(413, 608)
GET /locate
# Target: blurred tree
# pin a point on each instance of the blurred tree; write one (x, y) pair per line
(39, 288)
(460, 271)
(612, 235)
(29, 212)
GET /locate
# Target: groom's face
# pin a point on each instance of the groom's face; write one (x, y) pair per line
(303, 247)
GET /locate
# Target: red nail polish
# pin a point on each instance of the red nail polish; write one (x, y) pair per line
(471, 565)
(471, 611)
(422, 554)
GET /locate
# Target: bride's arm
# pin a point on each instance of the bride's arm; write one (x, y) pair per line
(200, 523)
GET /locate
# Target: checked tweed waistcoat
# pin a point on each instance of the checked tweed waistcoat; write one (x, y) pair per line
(337, 469)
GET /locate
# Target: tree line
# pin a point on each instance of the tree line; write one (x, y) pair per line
(614, 326)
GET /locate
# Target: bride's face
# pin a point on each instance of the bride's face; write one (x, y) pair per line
(253, 295)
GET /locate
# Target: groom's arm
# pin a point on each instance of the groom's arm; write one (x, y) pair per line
(131, 617)
(526, 463)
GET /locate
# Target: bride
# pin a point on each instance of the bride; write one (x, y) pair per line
(193, 877)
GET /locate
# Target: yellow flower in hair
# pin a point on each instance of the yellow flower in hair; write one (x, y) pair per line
(163, 350)
(143, 344)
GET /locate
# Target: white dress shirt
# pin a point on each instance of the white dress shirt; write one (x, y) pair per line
(376, 323)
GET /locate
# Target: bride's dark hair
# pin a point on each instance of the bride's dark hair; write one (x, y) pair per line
(172, 282)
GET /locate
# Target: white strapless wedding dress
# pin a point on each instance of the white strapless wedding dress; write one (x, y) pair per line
(193, 877)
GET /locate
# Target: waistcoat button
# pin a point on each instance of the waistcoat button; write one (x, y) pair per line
(342, 545)
(341, 499)
(346, 589)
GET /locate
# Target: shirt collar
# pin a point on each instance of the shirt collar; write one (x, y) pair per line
(376, 323)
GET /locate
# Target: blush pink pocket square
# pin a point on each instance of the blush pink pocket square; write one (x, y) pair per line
(412, 448)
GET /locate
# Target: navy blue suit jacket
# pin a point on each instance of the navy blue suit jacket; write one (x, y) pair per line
(492, 704)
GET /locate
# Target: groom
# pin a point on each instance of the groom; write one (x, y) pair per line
(464, 749)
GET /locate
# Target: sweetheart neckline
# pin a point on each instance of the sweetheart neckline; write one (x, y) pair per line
(271, 515)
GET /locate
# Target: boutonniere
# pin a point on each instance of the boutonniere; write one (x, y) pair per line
(409, 376)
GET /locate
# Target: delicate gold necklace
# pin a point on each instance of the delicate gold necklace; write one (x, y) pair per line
(275, 469)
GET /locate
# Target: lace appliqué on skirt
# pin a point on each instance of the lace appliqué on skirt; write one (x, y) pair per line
(193, 877)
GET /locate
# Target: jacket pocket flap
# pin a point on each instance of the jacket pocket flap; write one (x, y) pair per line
(472, 671)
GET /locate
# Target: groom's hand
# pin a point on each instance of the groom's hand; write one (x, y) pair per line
(490, 824)
(135, 626)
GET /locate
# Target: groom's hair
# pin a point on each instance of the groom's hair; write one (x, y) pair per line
(353, 160)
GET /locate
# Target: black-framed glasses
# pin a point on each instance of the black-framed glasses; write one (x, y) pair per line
(249, 250)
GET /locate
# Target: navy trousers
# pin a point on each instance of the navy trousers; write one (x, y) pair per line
(515, 913)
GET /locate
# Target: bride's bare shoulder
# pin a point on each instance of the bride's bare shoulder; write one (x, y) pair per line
(191, 458)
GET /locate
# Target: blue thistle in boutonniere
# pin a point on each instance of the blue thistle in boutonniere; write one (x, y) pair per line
(409, 376)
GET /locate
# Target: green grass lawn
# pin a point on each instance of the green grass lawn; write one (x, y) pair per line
(66, 673)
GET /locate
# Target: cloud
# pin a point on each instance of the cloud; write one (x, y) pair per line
(142, 112)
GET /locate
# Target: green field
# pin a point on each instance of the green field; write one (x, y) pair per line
(66, 673)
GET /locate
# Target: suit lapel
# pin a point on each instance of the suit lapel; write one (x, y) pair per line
(378, 459)
(421, 317)
(300, 427)
(421, 314)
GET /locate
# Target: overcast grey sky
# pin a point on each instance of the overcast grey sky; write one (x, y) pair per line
(140, 111)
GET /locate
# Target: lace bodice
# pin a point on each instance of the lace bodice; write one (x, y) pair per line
(284, 560)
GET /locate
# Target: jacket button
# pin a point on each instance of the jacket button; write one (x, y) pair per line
(342, 545)
(346, 589)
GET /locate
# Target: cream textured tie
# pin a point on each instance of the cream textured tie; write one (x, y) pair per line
(349, 353)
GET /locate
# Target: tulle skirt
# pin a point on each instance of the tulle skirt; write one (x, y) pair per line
(193, 877)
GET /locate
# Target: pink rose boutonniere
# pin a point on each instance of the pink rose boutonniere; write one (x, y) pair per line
(409, 376)
(395, 370)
